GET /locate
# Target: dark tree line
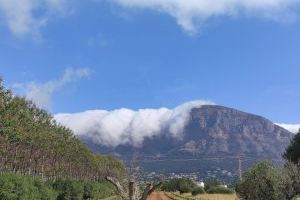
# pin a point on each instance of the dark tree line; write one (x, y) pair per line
(33, 143)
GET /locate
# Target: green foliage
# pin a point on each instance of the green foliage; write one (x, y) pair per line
(183, 185)
(261, 182)
(33, 143)
(74, 189)
(219, 190)
(99, 191)
(212, 183)
(14, 187)
(290, 180)
(292, 152)
(69, 189)
(198, 190)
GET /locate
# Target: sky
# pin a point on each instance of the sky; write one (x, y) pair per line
(74, 56)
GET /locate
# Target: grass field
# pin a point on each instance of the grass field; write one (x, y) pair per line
(203, 197)
(217, 197)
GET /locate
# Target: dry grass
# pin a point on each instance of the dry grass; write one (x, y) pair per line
(217, 197)
(112, 198)
(188, 196)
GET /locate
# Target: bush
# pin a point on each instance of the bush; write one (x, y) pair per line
(97, 191)
(183, 185)
(290, 180)
(14, 187)
(211, 184)
(261, 182)
(198, 190)
(219, 190)
(69, 189)
(292, 152)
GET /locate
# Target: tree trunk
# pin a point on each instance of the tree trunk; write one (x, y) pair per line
(118, 186)
(132, 191)
(149, 189)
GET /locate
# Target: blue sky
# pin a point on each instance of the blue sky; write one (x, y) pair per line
(138, 55)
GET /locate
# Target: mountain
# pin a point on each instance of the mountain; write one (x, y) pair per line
(212, 134)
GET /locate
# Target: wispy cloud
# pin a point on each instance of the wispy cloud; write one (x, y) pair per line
(293, 128)
(191, 14)
(26, 17)
(42, 93)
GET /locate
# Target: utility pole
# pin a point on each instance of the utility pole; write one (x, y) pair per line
(240, 167)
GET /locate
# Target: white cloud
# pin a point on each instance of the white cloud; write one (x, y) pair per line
(125, 126)
(42, 93)
(26, 17)
(293, 128)
(191, 13)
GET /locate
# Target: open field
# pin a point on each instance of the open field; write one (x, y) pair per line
(217, 197)
(175, 196)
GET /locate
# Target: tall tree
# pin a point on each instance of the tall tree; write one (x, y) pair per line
(292, 152)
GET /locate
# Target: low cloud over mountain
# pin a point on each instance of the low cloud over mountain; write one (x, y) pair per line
(294, 128)
(126, 126)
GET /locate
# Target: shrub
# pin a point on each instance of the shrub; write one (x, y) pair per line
(219, 190)
(290, 180)
(14, 187)
(69, 189)
(198, 190)
(292, 152)
(211, 183)
(261, 182)
(183, 185)
(97, 190)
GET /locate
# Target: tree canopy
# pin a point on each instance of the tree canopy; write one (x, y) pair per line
(292, 152)
(33, 143)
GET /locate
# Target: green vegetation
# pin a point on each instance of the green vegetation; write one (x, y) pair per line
(183, 185)
(15, 187)
(219, 190)
(262, 181)
(33, 144)
(265, 182)
(292, 153)
(197, 191)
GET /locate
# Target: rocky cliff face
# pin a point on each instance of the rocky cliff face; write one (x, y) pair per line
(212, 132)
(219, 130)
(215, 131)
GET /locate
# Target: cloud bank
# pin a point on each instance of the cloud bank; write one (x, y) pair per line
(126, 126)
(190, 14)
(41, 93)
(293, 128)
(26, 17)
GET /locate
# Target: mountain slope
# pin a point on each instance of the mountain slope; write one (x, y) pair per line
(212, 132)
(215, 130)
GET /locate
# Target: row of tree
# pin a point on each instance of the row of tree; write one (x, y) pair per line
(186, 185)
(33, 143)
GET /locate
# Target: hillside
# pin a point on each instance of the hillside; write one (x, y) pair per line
(33, 143)
(214, 137)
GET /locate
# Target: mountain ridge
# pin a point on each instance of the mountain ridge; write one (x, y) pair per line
(212, 132)
(217, 123)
